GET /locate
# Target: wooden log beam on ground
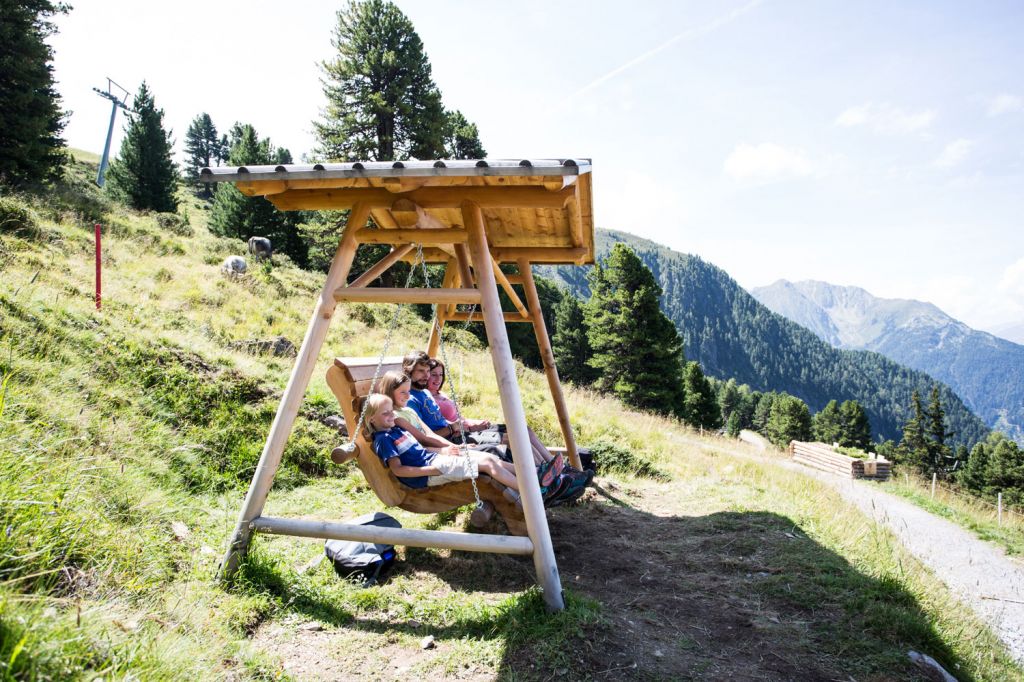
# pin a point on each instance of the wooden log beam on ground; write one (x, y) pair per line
(410, 295)
(407, 537)
(427, 197)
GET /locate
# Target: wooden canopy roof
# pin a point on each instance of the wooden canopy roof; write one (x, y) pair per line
(538, 209)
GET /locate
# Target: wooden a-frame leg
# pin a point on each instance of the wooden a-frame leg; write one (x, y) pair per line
(548, 358)
(512, 407)
(270, 459)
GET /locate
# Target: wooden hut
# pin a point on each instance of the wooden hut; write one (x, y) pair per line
(472, 216)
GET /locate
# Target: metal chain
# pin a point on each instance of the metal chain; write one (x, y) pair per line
(455, 400)
(350, 447)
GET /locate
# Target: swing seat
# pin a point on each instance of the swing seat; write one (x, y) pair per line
(350, 379)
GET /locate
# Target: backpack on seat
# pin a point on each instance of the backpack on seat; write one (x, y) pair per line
(365, 559)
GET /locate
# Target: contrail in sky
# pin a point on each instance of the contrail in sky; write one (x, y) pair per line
(687, 34)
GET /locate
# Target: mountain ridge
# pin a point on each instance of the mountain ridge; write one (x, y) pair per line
(733, 335)
(984, 369)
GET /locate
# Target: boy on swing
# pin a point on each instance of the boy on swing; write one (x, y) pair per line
(420, 467)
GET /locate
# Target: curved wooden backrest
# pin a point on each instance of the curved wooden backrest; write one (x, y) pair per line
(350, 379)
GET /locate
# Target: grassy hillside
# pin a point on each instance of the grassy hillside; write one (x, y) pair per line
(128, 436)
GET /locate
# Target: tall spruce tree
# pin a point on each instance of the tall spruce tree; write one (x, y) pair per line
(202, 149)
(856, 427)
(827, 425)
(940, 455)
(143, 174)
(570, 342)
(234, 214)
(913, 448)
(382, 103)
(789, 420)
(637, 351)
(700, 407)
(31, 120)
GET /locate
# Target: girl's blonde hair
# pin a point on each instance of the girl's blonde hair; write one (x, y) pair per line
(375, 404)
(390, 381)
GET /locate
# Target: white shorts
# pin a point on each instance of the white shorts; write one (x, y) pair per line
(453, 468)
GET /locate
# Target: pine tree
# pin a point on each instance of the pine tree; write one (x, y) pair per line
(143, 175)
(700, 408)
(856, 427)
(734, 425)
(202, 148)
(31, 120)
(913, 446)
(382, 103)
(827, 425)
(571, 344)
(461, 138)
(762, 412)
(940, 457)
(637, 351)
(729, 398)
(235, 215)
(789, 420)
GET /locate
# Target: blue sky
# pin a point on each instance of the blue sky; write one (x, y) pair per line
(874, 144)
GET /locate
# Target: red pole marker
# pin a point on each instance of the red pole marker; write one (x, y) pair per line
(98, 263)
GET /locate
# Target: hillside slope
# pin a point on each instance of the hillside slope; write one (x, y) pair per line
(128, 436)
(733, 336)
(985, 370)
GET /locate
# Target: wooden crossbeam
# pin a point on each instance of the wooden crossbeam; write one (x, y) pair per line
(411, 235)
(380, 267)
(427, 197)
(403, 295)
(460, 316)
(507, 286)
(407, 537)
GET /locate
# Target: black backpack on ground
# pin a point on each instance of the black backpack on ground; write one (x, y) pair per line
(368, 560)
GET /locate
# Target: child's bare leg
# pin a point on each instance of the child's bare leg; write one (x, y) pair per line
(492, 466)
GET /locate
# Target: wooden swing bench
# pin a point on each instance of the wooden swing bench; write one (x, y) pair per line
(350, 379)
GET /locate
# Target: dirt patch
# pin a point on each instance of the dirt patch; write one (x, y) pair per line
(727, 595)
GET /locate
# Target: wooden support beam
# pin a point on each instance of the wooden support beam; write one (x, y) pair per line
(451, 276)
(270, 458)
(548, 358)
(407, 537)
(465, 272)
(428, 197)
(512, 407)
(459, 316)
(380, 267)
(403, 295)
(411, 236)
(553, 254)
(511, 292)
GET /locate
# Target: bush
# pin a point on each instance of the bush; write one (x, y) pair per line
(174, 223)
(612, 458)
(16, 217)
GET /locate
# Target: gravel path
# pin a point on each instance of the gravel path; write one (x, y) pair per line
(978, 572)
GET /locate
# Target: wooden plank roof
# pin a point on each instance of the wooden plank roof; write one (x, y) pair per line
(540, 209)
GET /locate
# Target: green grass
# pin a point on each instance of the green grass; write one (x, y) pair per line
(128, 437)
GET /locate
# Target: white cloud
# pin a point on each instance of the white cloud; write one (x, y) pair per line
(1005, 103)
(1012, 281)
(886, 119)
(953, 153)
(766, 161)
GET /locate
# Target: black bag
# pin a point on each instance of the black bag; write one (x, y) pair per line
(366, 559)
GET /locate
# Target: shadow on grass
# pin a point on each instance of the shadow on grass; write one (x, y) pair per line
(731, 595)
